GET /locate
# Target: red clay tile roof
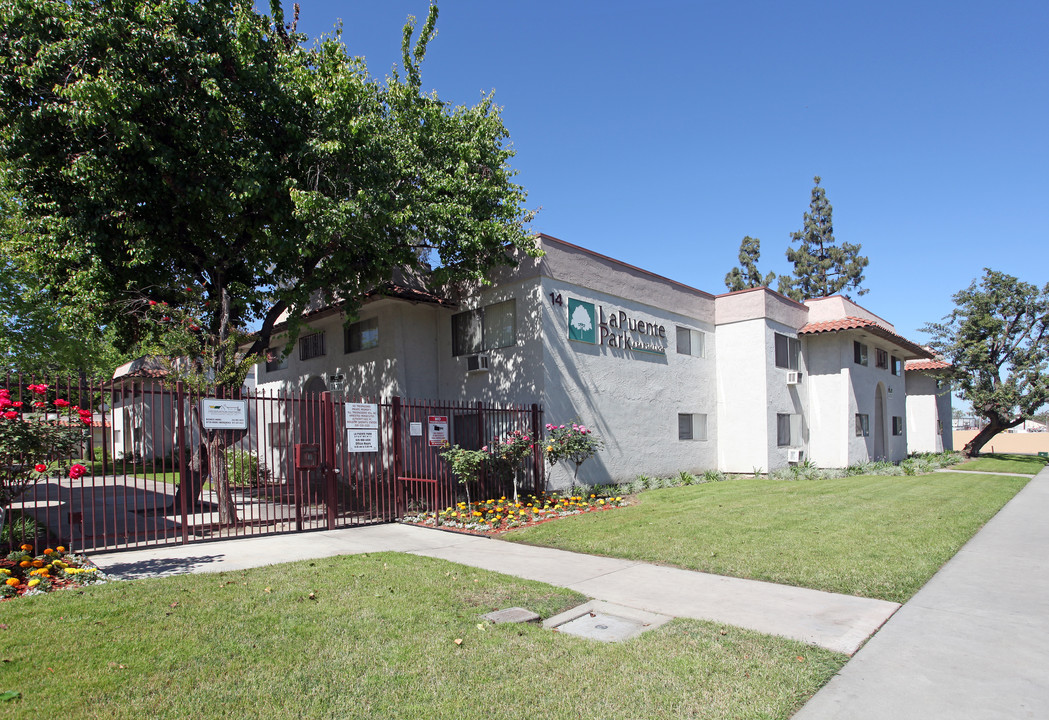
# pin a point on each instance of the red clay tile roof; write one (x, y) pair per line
(926, 365)
(855, 323)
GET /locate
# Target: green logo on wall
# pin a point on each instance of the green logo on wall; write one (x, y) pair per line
(582, 321)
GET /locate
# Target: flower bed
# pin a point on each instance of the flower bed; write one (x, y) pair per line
(22, 573)
(502, 514)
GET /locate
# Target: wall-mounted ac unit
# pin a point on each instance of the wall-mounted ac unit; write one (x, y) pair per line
(794, 377)
(476, 363)
(795, 454)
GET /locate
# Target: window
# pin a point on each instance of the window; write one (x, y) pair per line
(859, 353)
(275, 360)
(690, 342)
(691, 427)
(896, 366)
(881, 358)
(788, 430)
(897, 425)
(363, 335)
(787, 351)
(486, 328)
(863, 425)
(311, 346)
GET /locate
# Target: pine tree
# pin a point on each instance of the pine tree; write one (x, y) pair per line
(747, 276)
(822, 267)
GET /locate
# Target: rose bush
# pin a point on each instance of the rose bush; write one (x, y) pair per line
(33, 436)
(575, 443)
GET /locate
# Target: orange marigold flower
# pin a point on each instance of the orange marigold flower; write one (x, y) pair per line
(12, 581)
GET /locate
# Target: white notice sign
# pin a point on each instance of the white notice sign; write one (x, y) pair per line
(362, 440)
(415, 429)
(224, 414)
(362, 415)
(438, 430)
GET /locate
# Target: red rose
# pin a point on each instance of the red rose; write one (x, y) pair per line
(61, 403)
(38, 389)
(86, 420)
(5, 402)
(17, 403)
(40, 467)
(152, 302)
(10, 414)
(39, 404)
(77, 471)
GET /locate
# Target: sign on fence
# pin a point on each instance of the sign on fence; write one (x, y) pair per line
(362, 415)
(360, 440)
(218, 414)
(438, 430)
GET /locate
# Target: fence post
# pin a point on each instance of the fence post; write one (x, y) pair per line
(537, 451)
(400, 501)
(183, 476)
(328, 461)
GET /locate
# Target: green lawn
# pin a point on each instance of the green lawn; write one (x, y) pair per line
(1005, 462)
(875, 536)
(377, 640)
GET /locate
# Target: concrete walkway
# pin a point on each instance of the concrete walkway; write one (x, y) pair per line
(972, 644)
(838, 622)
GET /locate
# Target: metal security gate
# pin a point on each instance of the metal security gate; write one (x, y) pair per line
(148, 480)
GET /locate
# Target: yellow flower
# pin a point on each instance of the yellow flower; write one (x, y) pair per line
(34, 582)
(11, 581)
(4, 571)
(549, 448)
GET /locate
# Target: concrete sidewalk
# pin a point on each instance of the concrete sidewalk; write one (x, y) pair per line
(972, 644)
(837, 622)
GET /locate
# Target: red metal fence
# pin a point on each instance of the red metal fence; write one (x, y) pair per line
(149, 457)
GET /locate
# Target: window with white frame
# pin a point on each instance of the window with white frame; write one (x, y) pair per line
(690, 342)
(311, 346)
(897, 425)
(363, 335)
(863, 425)
(859, 353)
(788, 350)
(691, 426)
(788, 430)
(881, 358)
(487, 328)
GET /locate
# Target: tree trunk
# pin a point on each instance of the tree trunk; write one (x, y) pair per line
(987, 432)
(220, 479)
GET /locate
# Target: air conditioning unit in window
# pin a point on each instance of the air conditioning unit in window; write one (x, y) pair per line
(794, 377)
(476, 363)
(795, 455)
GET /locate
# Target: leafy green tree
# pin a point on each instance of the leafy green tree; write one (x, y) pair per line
(997, 341)
(199, 154)
(747, 275)
(822, 267)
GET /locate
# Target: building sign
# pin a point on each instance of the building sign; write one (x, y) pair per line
(362, 415)
(415, 429)
(582, 321)
(218, 414)
(594, 324)
(362, 440)
(438, 430)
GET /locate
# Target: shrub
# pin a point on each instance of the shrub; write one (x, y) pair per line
(686, 478)
(244, 469)
(713, 476)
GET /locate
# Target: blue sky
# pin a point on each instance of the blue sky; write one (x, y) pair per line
(661, 133)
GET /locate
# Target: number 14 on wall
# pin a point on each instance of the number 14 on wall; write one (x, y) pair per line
(555, 299)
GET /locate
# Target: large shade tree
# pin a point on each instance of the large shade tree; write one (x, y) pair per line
(822, 265)
(200, 154)
(997, 341)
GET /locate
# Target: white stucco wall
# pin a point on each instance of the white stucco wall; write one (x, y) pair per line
(631, 398)
(927, 407)
(840, 389)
